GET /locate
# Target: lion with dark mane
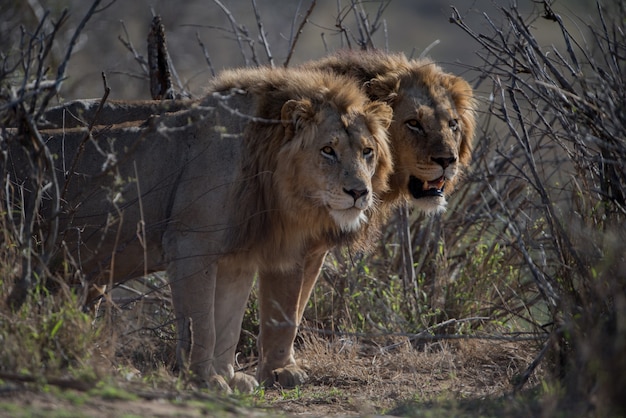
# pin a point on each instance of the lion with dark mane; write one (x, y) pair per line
(272, 168)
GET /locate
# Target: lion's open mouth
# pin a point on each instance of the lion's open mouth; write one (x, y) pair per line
(420, 188)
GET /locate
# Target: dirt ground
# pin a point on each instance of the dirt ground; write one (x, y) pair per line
(346, 379)
(348, 376)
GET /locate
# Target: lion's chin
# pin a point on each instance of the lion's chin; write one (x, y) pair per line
(428, 196)
(349, 220)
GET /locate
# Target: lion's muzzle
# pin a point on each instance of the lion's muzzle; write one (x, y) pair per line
(360, 197)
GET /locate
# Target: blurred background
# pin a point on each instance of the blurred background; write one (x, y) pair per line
(408, 26)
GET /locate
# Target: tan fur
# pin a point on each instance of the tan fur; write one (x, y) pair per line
(427, 103)
(420, 90)
(270, 167)
(272, 90)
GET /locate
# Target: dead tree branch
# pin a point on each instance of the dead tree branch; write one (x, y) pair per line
(293, 40)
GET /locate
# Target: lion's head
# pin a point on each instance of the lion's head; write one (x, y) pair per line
(342, 162)
(433, 124)
(328, 159)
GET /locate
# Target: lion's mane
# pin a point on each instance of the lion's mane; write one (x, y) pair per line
(273, 147)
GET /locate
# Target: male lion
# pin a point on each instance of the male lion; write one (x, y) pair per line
(433, 124)
(271, 168)
(431, 137)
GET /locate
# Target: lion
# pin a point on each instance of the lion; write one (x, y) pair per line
(431, 137)
(434, 121)
(273, 167)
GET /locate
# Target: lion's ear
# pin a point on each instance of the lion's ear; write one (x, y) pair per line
(295, 112)
(381, 111)
(384, 88)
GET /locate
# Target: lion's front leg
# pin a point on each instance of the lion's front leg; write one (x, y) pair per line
(193, 295)
(234, 282)
(283, 296)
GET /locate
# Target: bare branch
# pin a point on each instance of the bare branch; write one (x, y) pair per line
(61, 70)
(236, 29)
(264, 41)
(81, 148)
(129, 45)
(207, 58)
(294, 41)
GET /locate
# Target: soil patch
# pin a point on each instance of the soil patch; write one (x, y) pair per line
(346, 379)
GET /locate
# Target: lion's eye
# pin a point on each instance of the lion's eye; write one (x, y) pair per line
(414, 125)
(328, 151)
(454, 125)
(368, 152)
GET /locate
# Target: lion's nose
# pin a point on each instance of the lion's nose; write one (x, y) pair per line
(356, 193)
(444, 161)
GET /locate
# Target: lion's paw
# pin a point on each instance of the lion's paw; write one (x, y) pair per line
(218, 384)
(244, 383)
(289, 376)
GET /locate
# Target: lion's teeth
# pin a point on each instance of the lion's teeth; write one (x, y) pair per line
(435, 184)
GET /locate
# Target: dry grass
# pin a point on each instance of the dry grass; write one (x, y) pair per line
(366, 377)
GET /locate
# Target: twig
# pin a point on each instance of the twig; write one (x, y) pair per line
(81, 147)
(294, 41)
(222, 102)
(235, 28)
(264, 41)
(515, 337)
(519, 25)
(367, 29)
(427, 50)
(532, 366)
(26, 58)
(294, 21)
(339, 25)
(43, 54)
(552, 217)
(141, 226)
(362, 25)
(406, 249)
(39, 153)
(206, 54)
(61, 70)
(136, 55)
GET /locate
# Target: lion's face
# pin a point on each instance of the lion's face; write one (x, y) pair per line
(431, 133)
(341, 162)
(429, 139)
